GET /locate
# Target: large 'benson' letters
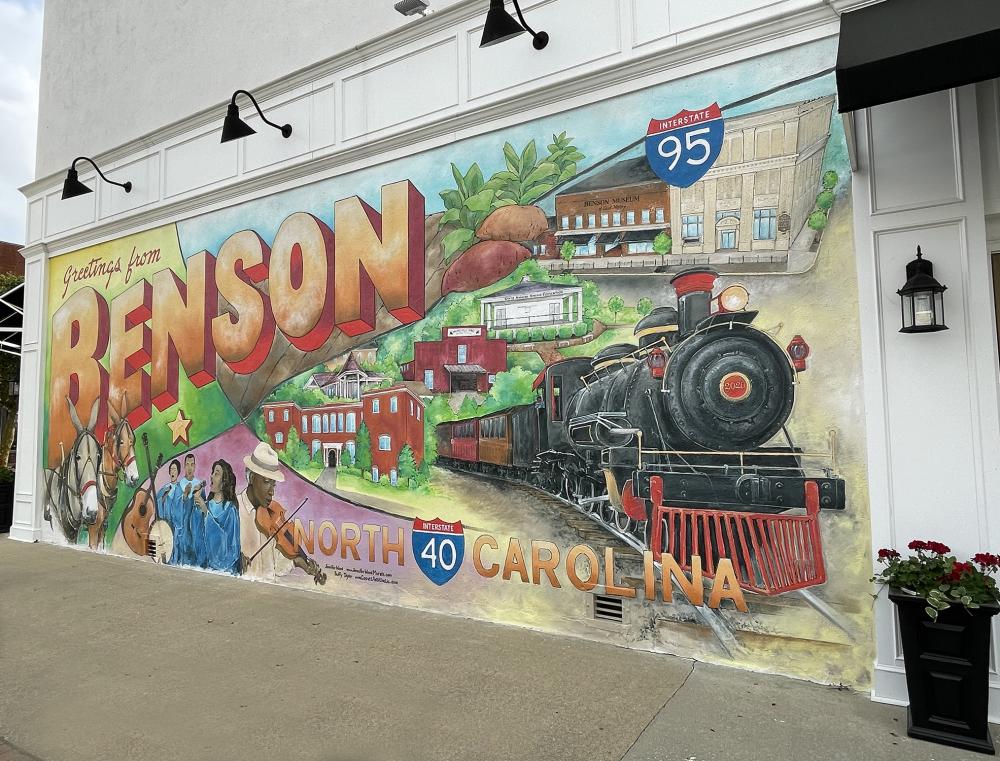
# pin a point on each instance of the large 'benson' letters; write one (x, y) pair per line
(220, 311)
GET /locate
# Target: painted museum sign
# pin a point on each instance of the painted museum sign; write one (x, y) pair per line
(238, 392)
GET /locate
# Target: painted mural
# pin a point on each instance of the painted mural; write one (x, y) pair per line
(596, 374)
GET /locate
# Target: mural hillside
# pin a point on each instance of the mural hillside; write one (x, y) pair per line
(592, 375)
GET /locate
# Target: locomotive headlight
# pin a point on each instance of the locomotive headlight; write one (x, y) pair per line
(734, 298)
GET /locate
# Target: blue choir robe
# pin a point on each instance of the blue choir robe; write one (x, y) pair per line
(216, 537)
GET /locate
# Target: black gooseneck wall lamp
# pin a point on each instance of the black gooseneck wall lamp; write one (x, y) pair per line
(72, 187)
(501, 26)
(234, 128)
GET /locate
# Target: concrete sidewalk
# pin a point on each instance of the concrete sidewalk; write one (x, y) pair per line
(104, 658)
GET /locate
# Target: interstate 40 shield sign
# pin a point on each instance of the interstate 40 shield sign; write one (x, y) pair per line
(438, 548)
(682, 148)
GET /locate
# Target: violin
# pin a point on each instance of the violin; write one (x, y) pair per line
(141, 513)
(271, 521)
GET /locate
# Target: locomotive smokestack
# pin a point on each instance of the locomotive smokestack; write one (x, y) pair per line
(694, 297)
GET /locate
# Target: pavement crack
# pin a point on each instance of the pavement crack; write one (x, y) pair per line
(659, 710)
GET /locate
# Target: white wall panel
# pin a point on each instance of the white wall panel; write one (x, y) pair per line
(594, 35)
(650, 20)
(35, 212)
(915, 156)
(199, 162)
(144, 175)
(268, 147)
(988, 96)
(324, 121)
(402, 89)
(687, 15)
(930, 410)
(63, 215)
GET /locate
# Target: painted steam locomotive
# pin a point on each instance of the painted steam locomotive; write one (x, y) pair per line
(678, 444)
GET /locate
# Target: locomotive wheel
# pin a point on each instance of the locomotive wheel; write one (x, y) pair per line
(729, 388)
(623, 522)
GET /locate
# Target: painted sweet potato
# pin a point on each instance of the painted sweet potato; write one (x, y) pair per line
(513, 223)
(483, 264)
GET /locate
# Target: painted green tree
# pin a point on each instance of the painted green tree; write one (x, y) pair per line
(296, 453)
(468, 409)
(406, 466)
(616, 304)
(644, 306)
(567, 251)
(363, 450)
(817, 220)
(830, 179)
(663, 243)
(513, 387)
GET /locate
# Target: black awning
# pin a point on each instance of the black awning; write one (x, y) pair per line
(899, 49)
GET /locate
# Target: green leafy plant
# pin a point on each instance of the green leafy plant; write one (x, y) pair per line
(644, 306)
(565, 331)
(940, 578)
(6, 475)
(830, 179)
(406, 466)
(535, 334)
(817, 220)
(550, 332)
(363, 450)
(824, 200)
(580, 329)
(527, 179)
(466, 206)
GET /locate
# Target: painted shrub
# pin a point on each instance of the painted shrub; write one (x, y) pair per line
(532, 381)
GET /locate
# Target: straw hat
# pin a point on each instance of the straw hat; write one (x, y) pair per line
(264, 462)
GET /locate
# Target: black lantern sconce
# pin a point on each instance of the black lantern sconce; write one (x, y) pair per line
(922, 298)
(501, 26)
(234, 128)
(72, 187)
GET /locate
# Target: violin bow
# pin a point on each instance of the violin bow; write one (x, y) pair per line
(283, 524)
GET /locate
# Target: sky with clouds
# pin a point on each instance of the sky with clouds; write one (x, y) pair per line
(20, 50)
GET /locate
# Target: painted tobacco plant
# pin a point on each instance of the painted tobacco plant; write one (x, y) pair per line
(939, 577)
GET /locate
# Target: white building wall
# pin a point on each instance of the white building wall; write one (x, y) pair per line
(118, 69)
(932, 399)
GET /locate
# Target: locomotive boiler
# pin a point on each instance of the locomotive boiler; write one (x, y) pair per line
(678, 442)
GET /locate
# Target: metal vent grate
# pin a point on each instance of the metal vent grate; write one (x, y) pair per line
(609, 608)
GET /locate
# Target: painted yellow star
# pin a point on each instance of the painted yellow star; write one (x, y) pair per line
(179, 427)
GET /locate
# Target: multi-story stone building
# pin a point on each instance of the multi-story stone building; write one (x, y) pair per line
(762, 188)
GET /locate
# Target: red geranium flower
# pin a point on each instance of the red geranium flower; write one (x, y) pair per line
(917, 544)
(987, 559)
(938, 548)
(957, 570)
(885, 554)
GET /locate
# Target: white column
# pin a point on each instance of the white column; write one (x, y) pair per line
(29, 485)
(933, 426)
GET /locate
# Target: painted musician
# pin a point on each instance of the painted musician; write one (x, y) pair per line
(261, 516)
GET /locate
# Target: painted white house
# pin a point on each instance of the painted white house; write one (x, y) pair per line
(529, 304)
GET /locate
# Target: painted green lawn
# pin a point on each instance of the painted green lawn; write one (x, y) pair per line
(607, 338)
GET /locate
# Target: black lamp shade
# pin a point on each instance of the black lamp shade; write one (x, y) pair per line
(72, 187)
(500, 25)
(234, 128)
(922, 298)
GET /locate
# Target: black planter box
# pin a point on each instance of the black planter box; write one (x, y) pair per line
(947, 672)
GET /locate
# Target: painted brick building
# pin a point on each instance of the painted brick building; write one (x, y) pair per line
(463, 360)
(394, 417)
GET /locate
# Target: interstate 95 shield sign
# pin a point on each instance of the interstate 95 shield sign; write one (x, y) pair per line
(684, 147)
